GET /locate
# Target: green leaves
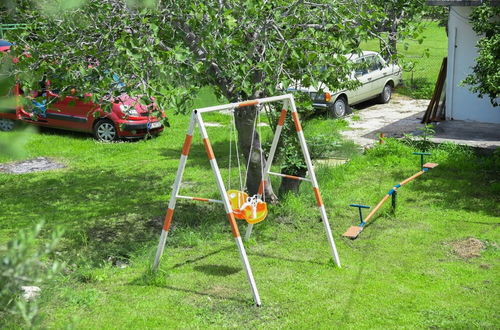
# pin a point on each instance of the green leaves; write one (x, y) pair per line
(230, 21)
(169, 49)
(485, 78)
(24, 264)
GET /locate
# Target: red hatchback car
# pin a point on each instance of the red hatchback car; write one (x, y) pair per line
(127, 118)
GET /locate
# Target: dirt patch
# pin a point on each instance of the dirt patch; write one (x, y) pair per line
(468, 248)
(39, 164)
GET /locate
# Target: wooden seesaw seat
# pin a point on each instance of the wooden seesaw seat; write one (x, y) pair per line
(430, 165)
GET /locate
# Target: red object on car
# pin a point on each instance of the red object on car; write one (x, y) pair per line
(126, 119)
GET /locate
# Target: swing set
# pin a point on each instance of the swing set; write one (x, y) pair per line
(237, 203)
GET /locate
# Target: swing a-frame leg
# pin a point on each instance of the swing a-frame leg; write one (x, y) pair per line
(290, 104)
(196, 119)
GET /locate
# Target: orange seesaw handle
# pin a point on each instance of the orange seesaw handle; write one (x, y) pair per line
(386, 197)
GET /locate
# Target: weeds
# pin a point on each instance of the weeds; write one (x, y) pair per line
(22, 265)
(422, 140)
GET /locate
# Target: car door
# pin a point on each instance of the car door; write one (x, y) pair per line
(389, 72)
(361, 74)
(68, 112)
(375, 78)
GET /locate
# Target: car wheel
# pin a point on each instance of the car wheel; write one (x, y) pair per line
(339, 108)
(6, 125)
(105, 131)
(386, 94)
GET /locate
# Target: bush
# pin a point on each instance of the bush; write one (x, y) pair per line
(419, 88)
(422, 141)
(21, 265)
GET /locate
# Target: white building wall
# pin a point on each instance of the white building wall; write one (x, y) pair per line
(461, 104)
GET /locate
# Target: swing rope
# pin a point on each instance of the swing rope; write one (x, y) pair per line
(251, 149)
(230, 151)
(256, 126)
(233, 133)
(261, 156)
(250, 208)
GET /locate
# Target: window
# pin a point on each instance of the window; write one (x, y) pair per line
(361, 67)
(374, 63)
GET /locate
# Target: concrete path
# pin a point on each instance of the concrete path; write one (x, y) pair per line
(474, 134)
(402, 115)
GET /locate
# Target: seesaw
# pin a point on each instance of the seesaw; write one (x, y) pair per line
(354, 231)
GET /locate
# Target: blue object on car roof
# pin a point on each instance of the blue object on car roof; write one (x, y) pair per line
(5, 43)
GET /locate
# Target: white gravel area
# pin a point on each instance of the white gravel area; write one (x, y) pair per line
(369, 119)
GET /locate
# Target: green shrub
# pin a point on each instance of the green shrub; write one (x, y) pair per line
(421, 141)
(419, 88)
(22, 264)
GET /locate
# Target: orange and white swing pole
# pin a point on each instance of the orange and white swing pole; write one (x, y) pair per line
(229, 211)
(196, 119)
(175, 190)
(312, 176)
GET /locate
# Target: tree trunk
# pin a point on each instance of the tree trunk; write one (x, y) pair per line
(291, 185)
(244, 119)
(393, 42)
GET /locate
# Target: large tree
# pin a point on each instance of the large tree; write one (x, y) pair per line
(168, 49)
(399, 20)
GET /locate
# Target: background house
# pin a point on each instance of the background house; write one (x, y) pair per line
(462, 104)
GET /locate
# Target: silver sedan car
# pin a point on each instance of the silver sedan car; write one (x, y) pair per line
(377, 80)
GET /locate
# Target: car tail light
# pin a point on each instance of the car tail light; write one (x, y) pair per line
(328, 97)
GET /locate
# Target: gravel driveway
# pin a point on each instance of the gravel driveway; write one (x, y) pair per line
(401, 115)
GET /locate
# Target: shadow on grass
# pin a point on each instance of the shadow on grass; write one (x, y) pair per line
(209, 268)
(75, 134)
(157, 279)
(107, 216)
(206, 294)
(190, 261)
(217, 270)
(61, 132)
(461, 183)
(265, 255)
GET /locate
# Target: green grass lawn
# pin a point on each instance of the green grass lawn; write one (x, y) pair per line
(401, 271)
(419, 82)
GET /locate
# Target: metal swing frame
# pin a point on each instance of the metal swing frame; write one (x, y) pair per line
(196, 120)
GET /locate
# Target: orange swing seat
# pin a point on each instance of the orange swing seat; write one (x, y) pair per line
(251, 209)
